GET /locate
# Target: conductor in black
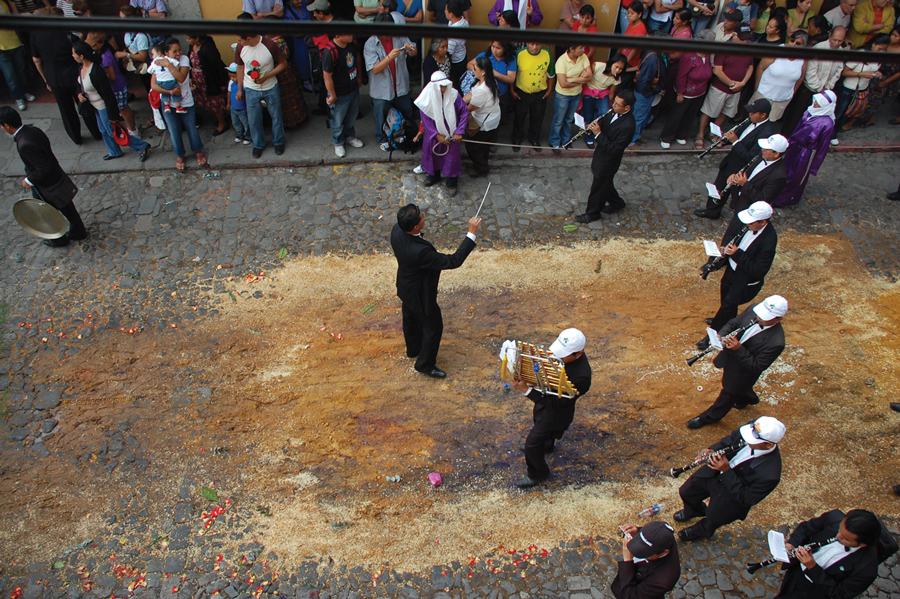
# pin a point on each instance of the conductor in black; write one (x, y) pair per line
(552, 414)
(419, 268)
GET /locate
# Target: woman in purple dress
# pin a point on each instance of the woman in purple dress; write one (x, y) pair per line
(809, 145)
(444, 117)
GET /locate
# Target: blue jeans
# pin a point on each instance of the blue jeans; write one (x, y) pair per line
(642, 106)
(12, 63)
(563, 116)
(654, 25)
(255, 116)
(623, 18)
(106, 130)
(240, 122)
(380, 110)
(343, 117)
(844, 97)
(698, 24)
(175, 123)
(591, 109)
(169, 98)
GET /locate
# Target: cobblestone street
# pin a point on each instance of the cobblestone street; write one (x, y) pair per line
(162, 246)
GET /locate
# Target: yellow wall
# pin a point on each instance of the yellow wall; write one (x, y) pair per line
(222, 9)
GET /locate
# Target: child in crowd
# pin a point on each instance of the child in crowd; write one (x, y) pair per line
(162, 66)
(238, 108)
(456, 48)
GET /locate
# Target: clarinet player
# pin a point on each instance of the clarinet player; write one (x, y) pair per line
(732, 485)
(744, 358)
(845, 567)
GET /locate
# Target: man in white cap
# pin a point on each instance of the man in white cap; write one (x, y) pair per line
(756, 344)
(749, 243)
(552, 414)
(733, 482)
(764, 181)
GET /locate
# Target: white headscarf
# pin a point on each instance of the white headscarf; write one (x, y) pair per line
(826, 104)
(522, 11)
(440, 107)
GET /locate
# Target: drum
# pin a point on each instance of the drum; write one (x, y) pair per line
(40, 218)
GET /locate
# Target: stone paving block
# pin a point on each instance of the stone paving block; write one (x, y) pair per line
(578, 583)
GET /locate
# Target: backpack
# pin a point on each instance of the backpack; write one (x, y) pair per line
(400, 133)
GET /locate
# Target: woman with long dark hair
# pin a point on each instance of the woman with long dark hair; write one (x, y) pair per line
(503, 63)
(597, 93)
(95, 88)
(484, 115)
(209, 81)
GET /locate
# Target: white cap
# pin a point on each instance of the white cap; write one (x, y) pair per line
(568, 342)
(232, 68)
(764, 428)
(756, 211)
(441, 79)
(772, 307)
(778, 143)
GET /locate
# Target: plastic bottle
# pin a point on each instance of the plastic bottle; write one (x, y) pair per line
(652, 510)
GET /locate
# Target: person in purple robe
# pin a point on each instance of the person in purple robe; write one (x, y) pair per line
(444, 117)
(809, 145)
(528, 11)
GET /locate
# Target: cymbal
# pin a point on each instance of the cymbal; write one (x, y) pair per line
(40, 218)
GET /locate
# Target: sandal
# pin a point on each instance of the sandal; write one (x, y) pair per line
(868, 123)
(849, 125)
(698, 143)
(201, 159)
(179, 163)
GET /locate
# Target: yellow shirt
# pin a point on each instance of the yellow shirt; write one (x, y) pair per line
(571, 69)
(8, 38)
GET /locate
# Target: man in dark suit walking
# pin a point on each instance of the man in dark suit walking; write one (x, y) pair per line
(43, 174)
(419, 268)
(744, 148)
(767, 179)
(745, 357)
(847, 566)
(611, 136)
(733, 483)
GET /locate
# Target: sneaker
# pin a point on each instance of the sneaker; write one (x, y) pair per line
(339, 150)
(385, 146)
(355, 142)
(419, 170)
(238, 140)
(681, 142)
(664, 145)
(167, 109)
(21, 105)
(180, 110)
(30, 97)
(589, 143)
(134, 134)
(247, 142)
(834, 142)
(556, 149)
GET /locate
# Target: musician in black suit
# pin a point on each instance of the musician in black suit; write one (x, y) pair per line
(750, 257)
(657, 569)
(43, 174)
(733, 482)
(419, 268)
(764, 181)
(845, 567)
(744, 148)
(553, 415)
(611, 136)
(745, 356)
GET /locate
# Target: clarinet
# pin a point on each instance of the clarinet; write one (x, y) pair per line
(569, 143)
(754, 162)
(751, 568)
(734, 333)
(717, 262)
(703, 460)
(723, 138)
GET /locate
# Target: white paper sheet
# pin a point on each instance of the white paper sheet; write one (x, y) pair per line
(715, 130)
(579, 121)
(714, 338)
(712, 191)
(712, 249)
(776, 546)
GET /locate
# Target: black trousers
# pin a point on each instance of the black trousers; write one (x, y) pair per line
(534, 106)
(540, 441)
(422, 333)
(76, 225)
(681, 119)
(479, 153)
(725, 402)
(603, 192)
(731, 298)
(721, 510)
(713, 208)
(457, 70)
(67, 101)
(795, 109)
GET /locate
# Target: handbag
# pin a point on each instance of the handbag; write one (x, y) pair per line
(857, 104)
(120, 134)
(472, 126)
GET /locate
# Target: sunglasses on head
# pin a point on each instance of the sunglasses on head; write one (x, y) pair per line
(755, 432)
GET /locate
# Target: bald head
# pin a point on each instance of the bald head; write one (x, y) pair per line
(836, 39)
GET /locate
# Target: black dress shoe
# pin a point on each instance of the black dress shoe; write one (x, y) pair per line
(894, 196)
(547, 449)
(145, 154)
(429, 181)
(708, 321)
(896, 489)
(584, 219)
(610, 210)
(279, 150)
(681, 516)
(57, 243)
(257, 152)
(111, 157)
(740, 406)
(528, 482)
(217, 132)
(687, 535)
(709, 215)
(895, 406)
(703, 344)
(695, 423)
(435, 373)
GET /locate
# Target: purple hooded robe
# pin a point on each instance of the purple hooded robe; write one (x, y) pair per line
(809, 144)
(451, 164)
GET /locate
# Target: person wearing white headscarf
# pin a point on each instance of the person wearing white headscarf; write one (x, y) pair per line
(809, 144)
(444, 117)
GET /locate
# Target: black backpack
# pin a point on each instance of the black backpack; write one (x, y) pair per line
(400, 133)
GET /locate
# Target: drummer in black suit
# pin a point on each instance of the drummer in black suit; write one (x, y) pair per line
(43, 174)
(419, 268)
(611, 136)
(733, 483)
(650, 566)
(744, 148)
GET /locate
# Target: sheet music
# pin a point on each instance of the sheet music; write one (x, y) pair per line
(579, 121)
(712, 249)
(712, 191)
(715, 130)
(776, 546)
(714, 338)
